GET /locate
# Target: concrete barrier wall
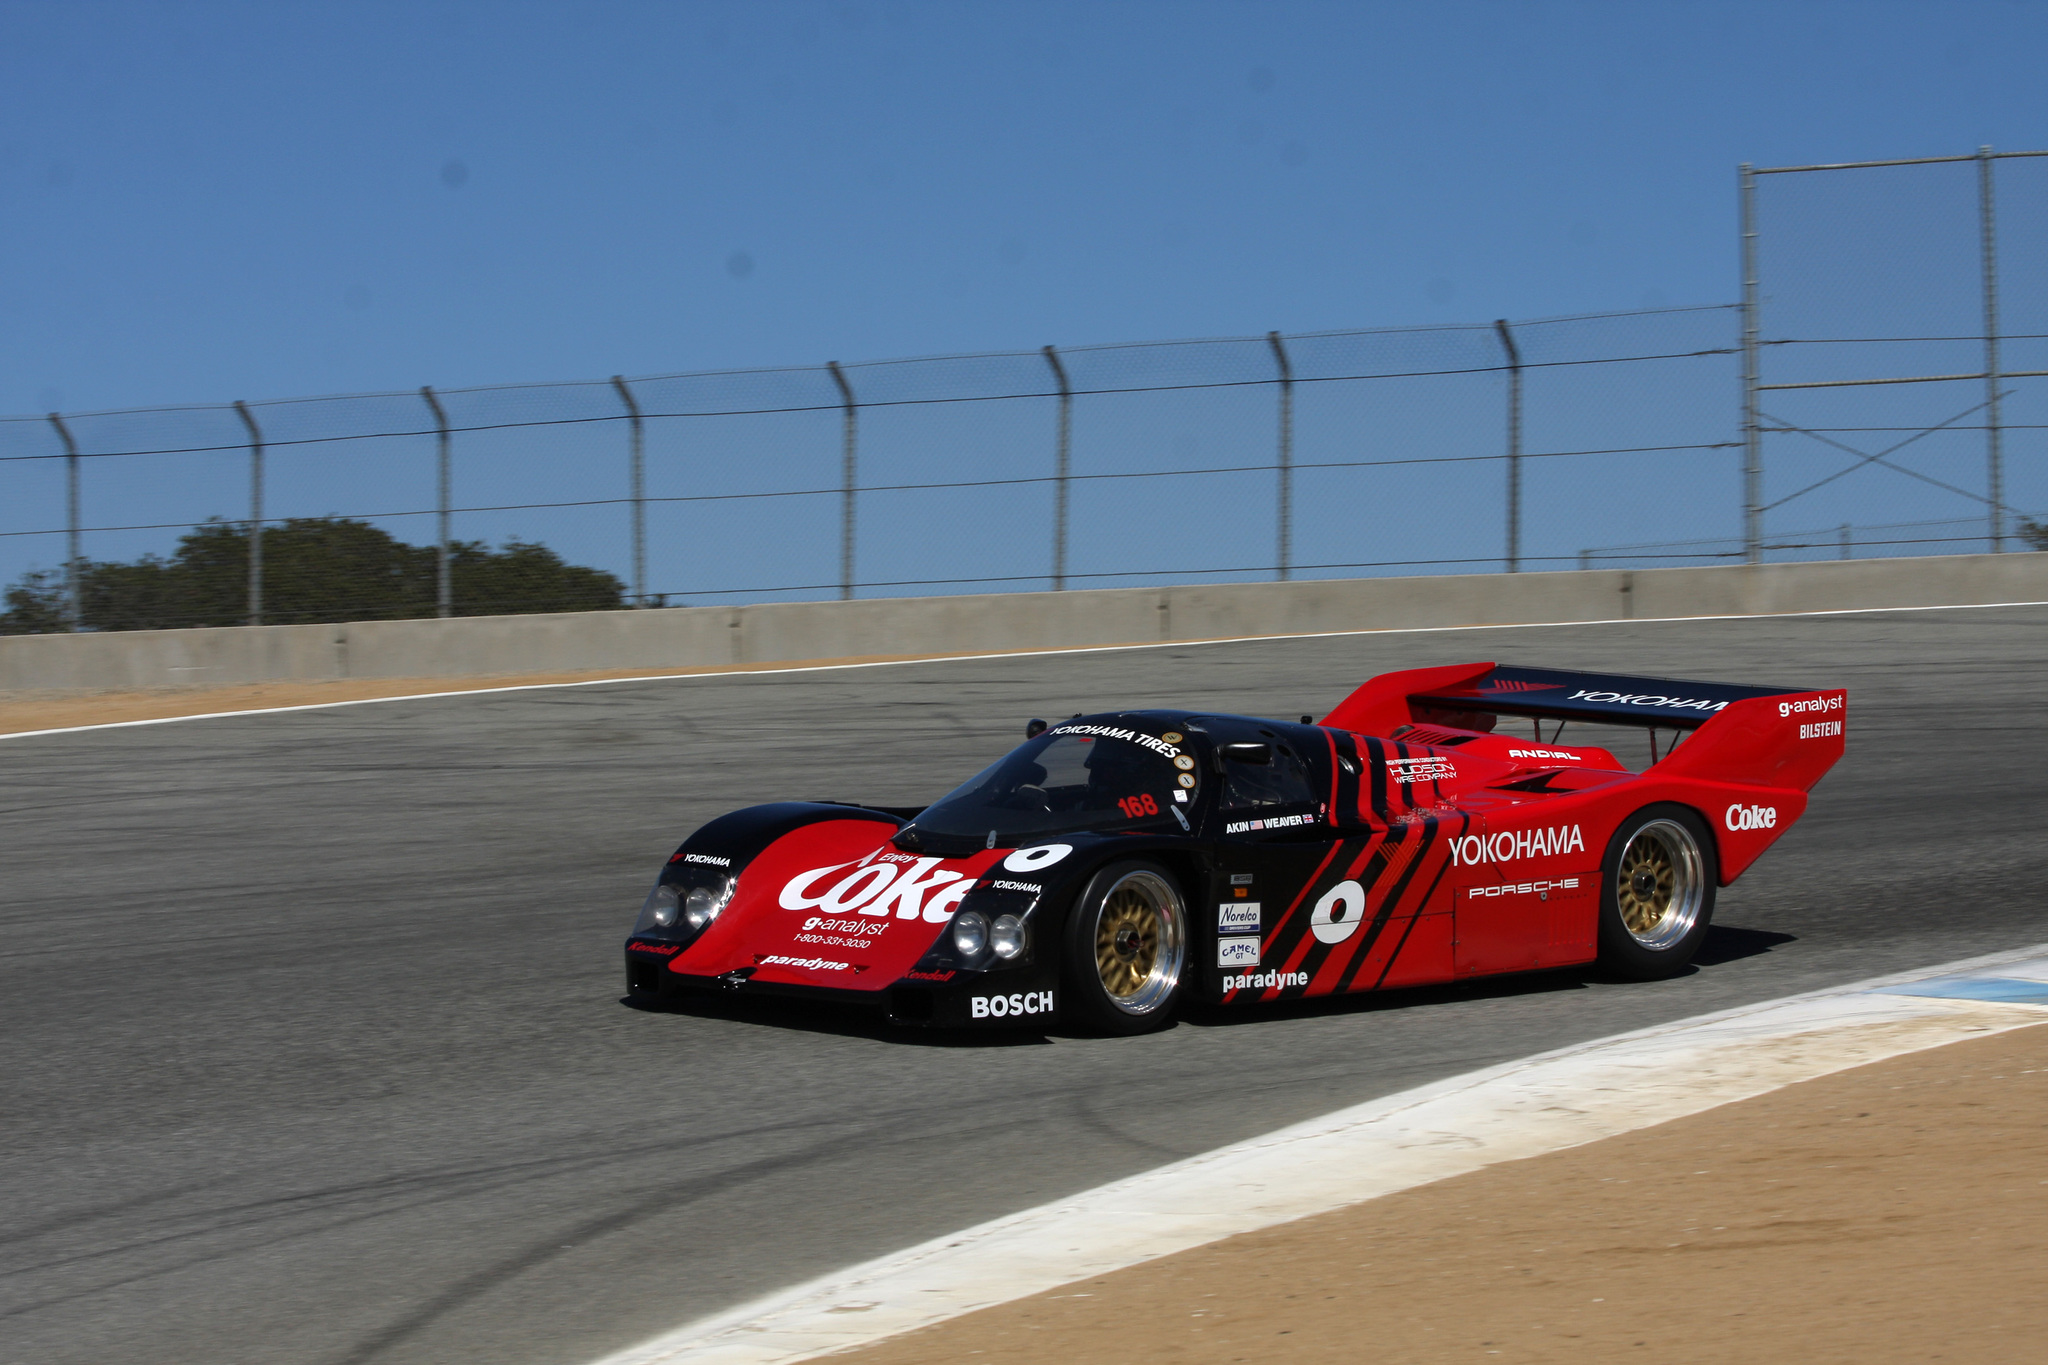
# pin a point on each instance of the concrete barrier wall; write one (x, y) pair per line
(682, 637)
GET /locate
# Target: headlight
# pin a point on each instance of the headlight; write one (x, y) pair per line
(702, 905)
(970, 934)
(1007, 937)
(663, 904)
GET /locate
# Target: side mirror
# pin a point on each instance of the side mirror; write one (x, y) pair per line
(1258, 755)
(1033, 728)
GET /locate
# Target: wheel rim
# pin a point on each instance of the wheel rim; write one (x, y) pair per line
(1660, 884)
(1139, 945)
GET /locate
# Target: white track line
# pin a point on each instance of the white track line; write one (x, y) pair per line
(1522, 1109)
(742, 672)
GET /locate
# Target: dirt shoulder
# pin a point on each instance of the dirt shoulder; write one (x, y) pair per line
(23, 711)
(1897, 1212)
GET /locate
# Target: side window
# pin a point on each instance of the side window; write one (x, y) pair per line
(1284, 782)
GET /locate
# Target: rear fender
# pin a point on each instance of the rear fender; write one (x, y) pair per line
(1787, 741)
(1745, 820)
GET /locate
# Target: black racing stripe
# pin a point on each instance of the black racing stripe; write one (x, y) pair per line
(1362, 948)
(1428, 840)
(1416, 918)
(1336, 777)
(1316, 955)
(1344, 805)
(1376, 764)
(1407, 787)
(1353, 948)
(1395, 956)
(1293, 924)
(1353, 788)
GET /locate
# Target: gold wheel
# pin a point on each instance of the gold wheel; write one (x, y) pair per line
(1139, 941)
(1659, 884)
(1643, 886)
(1126, 941)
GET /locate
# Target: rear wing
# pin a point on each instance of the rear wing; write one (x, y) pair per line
(1779, 736)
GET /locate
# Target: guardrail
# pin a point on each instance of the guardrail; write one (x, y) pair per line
(795, 632)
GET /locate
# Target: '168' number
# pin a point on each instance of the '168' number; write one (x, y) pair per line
(1135, 806)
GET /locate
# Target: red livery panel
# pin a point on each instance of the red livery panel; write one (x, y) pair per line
(834, 904)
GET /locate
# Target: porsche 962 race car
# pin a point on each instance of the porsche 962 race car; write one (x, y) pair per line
(1114, 865)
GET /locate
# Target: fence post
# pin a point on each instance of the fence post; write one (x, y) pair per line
(255, 512)
(637, 479)
(1062, 467)
(1752, 433)
(444, 585)
(850, 470)
(1507, 341)
(74, 590)
(1995, 437)
(1286, 469)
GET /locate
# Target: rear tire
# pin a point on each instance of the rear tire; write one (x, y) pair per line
(1126, 949)
(1656, 892)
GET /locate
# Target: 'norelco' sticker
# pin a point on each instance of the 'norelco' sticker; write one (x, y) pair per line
(1237, 917)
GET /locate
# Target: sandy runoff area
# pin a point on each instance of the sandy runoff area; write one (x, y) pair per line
(1897, 1212)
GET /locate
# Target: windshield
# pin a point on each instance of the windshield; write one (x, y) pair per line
(1074, 777)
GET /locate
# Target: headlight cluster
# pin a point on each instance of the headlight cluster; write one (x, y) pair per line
(975, 937)
(693, 906)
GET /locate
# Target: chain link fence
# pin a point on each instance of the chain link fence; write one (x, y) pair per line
(1896, 340)
(1873, 300)
(1320, 455)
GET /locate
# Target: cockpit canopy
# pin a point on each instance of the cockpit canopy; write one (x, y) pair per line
(1103, 773)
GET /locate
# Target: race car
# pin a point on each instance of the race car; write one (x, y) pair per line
(1118, 864)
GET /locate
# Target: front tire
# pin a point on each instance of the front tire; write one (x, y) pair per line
(1126, 955)
(1656, 893)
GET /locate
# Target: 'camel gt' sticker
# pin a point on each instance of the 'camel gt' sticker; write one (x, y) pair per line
(1237, 952)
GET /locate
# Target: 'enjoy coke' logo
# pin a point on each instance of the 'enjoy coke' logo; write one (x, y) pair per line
(881, 889)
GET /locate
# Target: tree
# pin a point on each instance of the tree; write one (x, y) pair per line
(35, 605)
(314, 569)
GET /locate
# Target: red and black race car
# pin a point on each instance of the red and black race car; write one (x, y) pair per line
(1427, 830)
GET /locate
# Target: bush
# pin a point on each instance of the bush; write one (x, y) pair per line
(314, 569)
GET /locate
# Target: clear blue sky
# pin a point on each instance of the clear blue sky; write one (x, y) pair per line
(204, 201)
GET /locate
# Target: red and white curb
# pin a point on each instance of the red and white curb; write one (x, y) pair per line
(1521, 1109)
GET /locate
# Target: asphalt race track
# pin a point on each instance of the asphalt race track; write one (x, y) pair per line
(312, 1046)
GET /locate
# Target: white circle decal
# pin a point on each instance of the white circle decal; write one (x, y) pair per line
(1031, 859)
(1339, 913)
